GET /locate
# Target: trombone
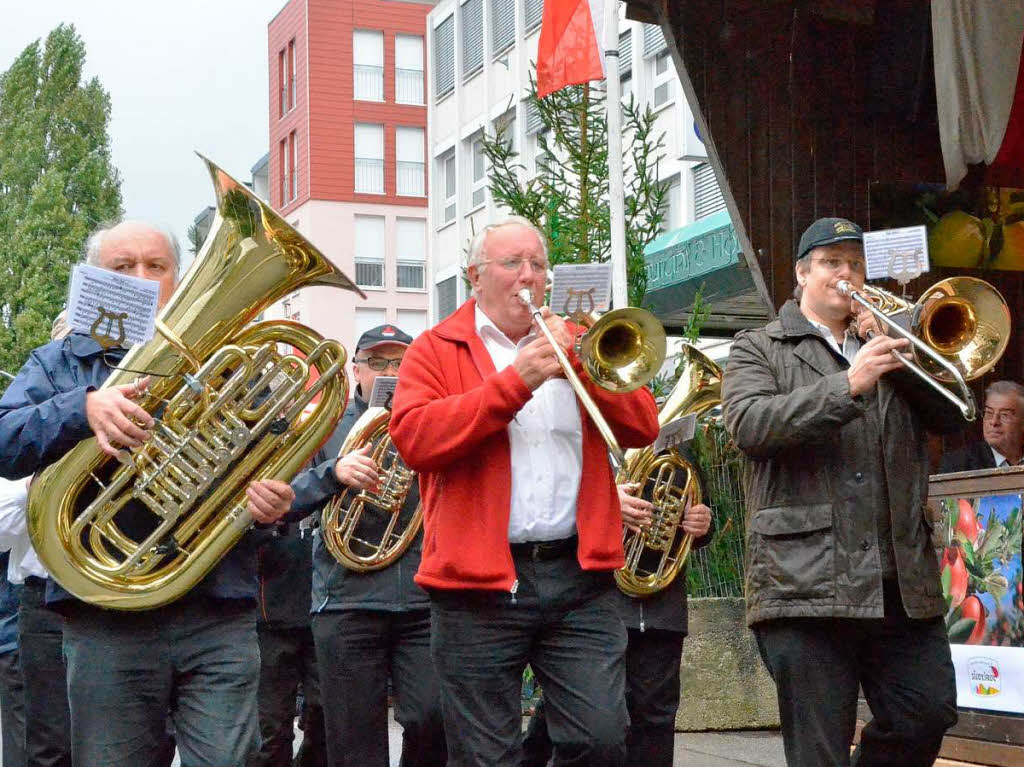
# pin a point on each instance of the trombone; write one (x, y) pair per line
(621, 352)
(959, 329)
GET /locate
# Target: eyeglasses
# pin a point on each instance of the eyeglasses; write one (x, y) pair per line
(515, 264)
(998, 416)
(834, 263)
(379, 364)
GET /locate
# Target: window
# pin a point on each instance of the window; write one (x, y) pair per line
(472, 36)
(670, 207)
(282, 82)
(411, 251)
(291, 75)
(369, 251)
(408, 69)
(664, 77)
(282, 159)
(444, 58)
(479, 185)
(409, 149)
(368, 64)
(446, 180)
(503, 25)
(412, 321)
(293, 164)
(707, 196)
(533, 12)
(369, 158)
(626, 64)
(654, 40)
(447, 297)
(505, 128)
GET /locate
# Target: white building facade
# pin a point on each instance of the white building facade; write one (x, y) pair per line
(480, 56)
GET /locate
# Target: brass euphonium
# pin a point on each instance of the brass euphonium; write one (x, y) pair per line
(364, 530)
(655, 556)
(958, 330)
(138, 533)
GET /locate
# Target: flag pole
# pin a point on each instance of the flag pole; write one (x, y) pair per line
(616, 203)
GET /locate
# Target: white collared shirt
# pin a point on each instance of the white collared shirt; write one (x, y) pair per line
(546, 438)
(1001, 460)
(14, 532)
(851, 344)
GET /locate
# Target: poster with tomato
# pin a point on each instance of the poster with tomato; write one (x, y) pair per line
(982, 577)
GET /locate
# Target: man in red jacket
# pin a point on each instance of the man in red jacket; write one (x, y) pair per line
(521, 515)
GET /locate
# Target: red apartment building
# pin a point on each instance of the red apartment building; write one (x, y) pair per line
(347, 156)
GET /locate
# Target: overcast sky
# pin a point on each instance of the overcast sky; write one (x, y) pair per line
(182, 76)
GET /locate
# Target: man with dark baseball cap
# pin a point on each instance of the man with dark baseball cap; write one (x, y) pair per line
(370, 625)
(839, 562)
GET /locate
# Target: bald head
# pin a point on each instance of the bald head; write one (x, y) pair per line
(137, 249)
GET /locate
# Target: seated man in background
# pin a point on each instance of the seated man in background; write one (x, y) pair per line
(1003, 431)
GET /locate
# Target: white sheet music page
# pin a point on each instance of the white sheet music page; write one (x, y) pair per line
(383, 391)
(898, 253)
(676, 433)
(115, 309)
(581, 288)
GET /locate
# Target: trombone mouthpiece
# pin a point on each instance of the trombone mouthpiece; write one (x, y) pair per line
(525, 297)
(844, 287)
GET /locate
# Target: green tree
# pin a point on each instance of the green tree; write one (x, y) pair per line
(568, 196)
(56, 185)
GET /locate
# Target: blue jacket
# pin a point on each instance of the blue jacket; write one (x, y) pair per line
(42, 416)
(335, 587)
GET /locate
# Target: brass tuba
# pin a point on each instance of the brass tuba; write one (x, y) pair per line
(655, 556)
(363, 529)
(138, 533)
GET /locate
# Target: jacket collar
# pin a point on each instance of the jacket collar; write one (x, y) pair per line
(791, 323)
(460, 327)
(84, 346)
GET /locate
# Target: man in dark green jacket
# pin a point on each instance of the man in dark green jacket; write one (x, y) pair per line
(842, 582)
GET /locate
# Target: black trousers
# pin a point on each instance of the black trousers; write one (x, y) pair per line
(903, 666)
(12, 709)
(357, 650)
(47, 716)
(652, 699)
(564, 623)
(288, 661)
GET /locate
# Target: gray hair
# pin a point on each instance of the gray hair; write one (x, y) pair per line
(94, 244)
(1007, 389)
(476, 247)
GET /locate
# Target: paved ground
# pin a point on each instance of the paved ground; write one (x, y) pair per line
(696, 749)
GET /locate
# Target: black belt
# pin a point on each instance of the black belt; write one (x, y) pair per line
(543, 550)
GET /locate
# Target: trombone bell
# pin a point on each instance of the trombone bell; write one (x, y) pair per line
(624, 349)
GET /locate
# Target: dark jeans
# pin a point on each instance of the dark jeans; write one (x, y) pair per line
(903, 666)
(357, 650)
(12, 709)
(652, 699)
(288, 660)
(197, 659)
(565, 625)
(47, 721)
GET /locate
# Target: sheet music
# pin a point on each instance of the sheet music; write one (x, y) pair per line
(383, 391)
(898, 253)
(676, 433)
(582, 288)
(103, 303)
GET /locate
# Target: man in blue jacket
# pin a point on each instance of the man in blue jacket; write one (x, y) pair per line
(196, 658)
(370, 625)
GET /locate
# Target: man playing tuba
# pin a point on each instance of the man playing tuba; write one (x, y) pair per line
(374, 624)
(197, 657)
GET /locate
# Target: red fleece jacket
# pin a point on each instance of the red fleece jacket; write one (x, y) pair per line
(449, 422)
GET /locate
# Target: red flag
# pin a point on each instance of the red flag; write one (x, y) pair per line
(569, 51)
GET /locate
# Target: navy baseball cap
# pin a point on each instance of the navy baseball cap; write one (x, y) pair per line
(826, 231)
(380, 335)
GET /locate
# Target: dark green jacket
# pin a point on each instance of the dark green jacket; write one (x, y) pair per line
(812, 545)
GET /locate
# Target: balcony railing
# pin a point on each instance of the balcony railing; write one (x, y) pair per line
(410, 179)
(410, 275)
(409, 86)
(369, 175)
(369, 82)
(369, 273)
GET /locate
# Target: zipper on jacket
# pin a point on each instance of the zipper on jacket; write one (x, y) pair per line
(515, 588)
(641, 617)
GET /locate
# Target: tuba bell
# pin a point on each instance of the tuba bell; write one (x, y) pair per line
(655, 555)
(140, 532)
(364, 530)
